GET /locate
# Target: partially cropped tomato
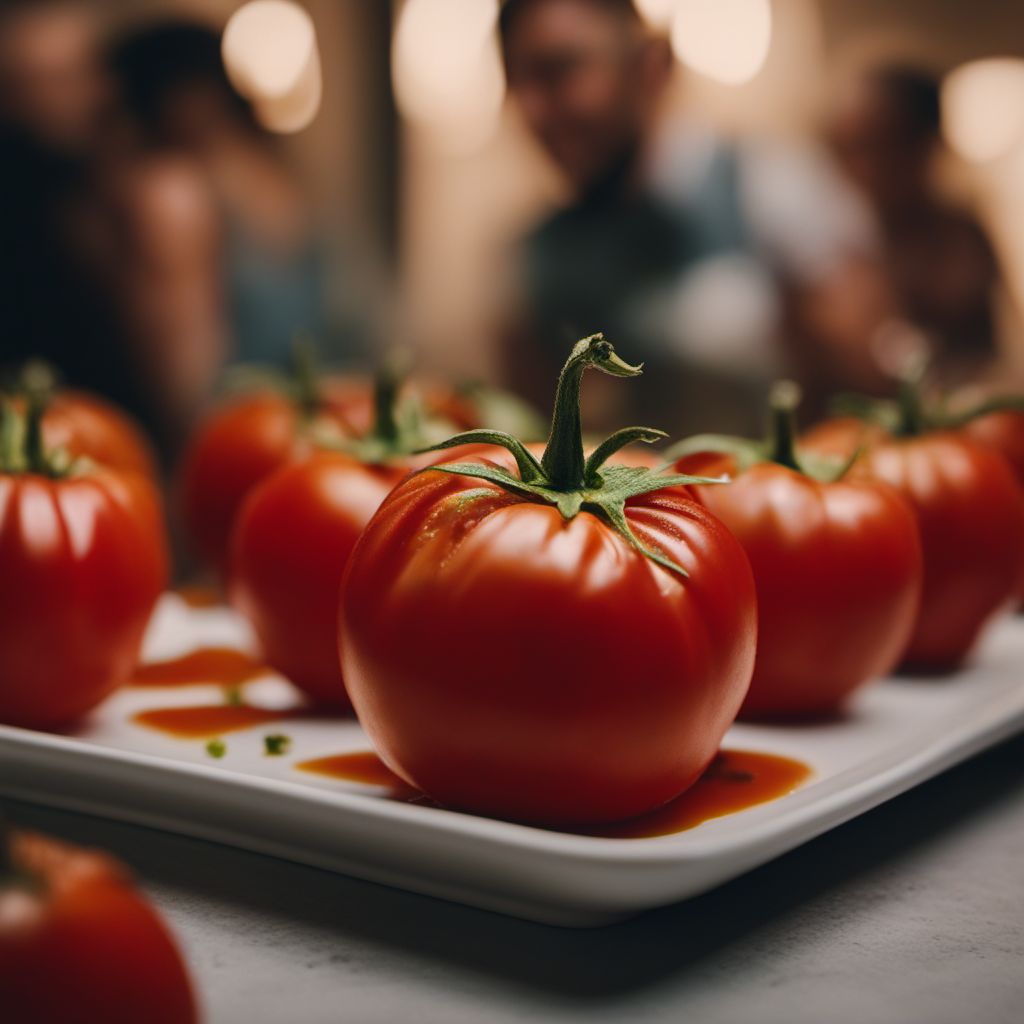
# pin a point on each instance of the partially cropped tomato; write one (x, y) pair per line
(79, 945)
(560, 641)
(837, 564)
(970, 512)
(290, 546)
(82, 560)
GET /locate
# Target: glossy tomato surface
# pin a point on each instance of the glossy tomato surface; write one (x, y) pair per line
(1004, 432)
(291, 544)
(838, 572)
(78, 944)
(84, 424)
(841, 436)
(970, 513)
(82, 560)
(233, 450)
(510, 662)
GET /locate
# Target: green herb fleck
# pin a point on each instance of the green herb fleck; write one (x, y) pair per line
(233, 696)
(216, 748)
(277, 745)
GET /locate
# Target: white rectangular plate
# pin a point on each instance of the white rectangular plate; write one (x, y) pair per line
(899, 733)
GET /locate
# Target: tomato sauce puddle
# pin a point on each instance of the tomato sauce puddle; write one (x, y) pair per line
(736, 780)
(220, 666)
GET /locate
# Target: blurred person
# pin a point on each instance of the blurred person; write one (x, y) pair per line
(227, 259)
(53, 301)
(939, 262)
(691, 253)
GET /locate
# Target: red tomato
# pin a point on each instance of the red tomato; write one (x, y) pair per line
(78, 944)
(970, 512)
(511, 662)
(290, 546)
(237, 447)
(83, 561)
(838, 574)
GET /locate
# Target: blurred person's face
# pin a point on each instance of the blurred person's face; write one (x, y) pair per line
(586, 81)
(51, 84)
(877, 148)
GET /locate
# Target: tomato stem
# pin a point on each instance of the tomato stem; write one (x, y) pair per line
(911, 421)
(385, 396)
(304, 375)
(780, 444)
(564, 461)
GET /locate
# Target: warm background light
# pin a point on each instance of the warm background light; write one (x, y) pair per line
(983, 108)
(270, 55)
(657, 13)
(447, 69)
(726, 40)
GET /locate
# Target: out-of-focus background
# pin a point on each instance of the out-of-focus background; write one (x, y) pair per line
(730, 189)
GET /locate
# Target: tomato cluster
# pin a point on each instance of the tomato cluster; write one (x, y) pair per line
(551, 633)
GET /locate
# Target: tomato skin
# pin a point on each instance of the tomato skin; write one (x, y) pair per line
(83, 560)
(512, 663)
(840, 436)
(838, 570)
(291, 543)
(84, 424)
(238, 446)
(1004, 432)
(290, 546)
(970, 513)
(81, 946)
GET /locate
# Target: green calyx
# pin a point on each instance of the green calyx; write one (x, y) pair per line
(777, 446)
(399, 426)
(910, 414)
(22, 449)
(565, 477)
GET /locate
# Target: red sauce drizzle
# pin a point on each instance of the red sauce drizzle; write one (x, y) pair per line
(737, 779)
(200, 596)
(223, 666)
(207, 721)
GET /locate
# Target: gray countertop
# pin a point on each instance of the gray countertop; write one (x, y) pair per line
(912, 913)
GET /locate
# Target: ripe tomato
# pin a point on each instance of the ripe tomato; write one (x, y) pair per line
(970, 512)
(78, 944)
(234, 449)
(290, 546)
(837, 565)
(83, 560)
(519, 638)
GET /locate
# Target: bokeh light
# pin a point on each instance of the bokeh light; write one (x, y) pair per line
(726, 40)
(447, 70)
(657, 13)
(270, 54)
(983, 108)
